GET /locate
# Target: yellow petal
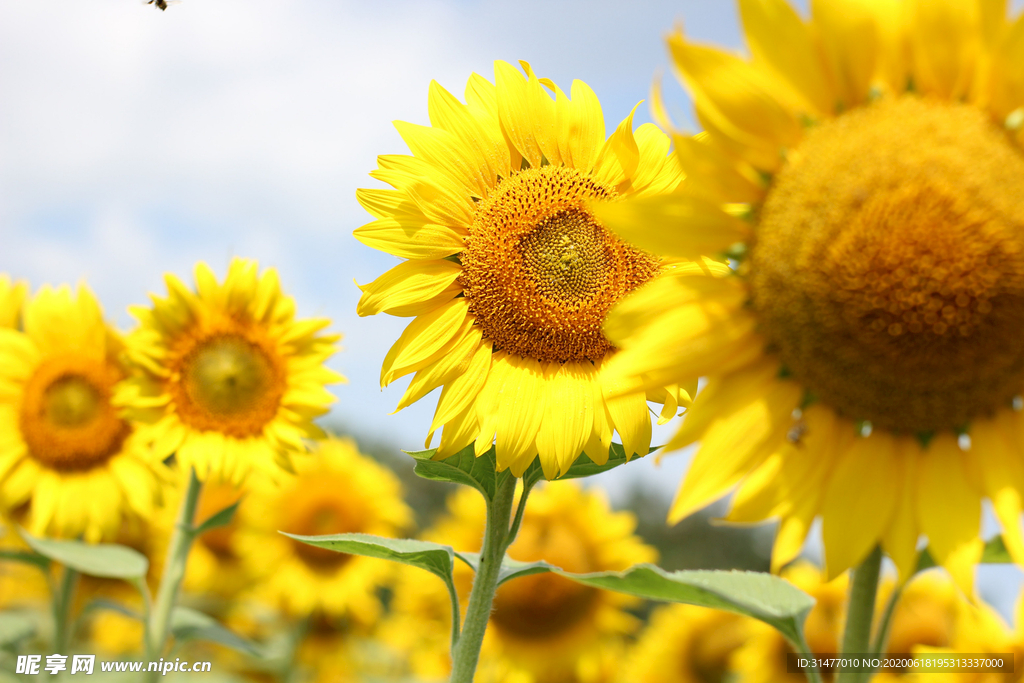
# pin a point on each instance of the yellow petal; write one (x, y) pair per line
(780, 40)
(900, 540)
(444, 370)
(945, 43)
(736, 96)
(410, 288)
(481, 138)
(460, 391)
(849, 37)
(619, 157)
(948, 505)
(673, 225)
(521, 405)
(627, 407)
(517, 112)
(404, 240)
(740, 423)
(425, 339)
(859, 501)
(586, 126)
(564, 431)
(713, 175)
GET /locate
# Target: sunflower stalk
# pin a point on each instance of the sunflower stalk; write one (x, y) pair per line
(62, 597)
(860, 614)
(174, 570)
(498, 536)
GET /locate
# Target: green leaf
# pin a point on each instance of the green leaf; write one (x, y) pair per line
(105, 560)
(435, 558)
(16, 626)
(222, 518)
(462, 468)
(924, 561)
(510, 569)
(754, 594)
(26, 557)
(190, 624)
(996, 552)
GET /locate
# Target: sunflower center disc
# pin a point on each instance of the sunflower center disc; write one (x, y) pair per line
(541, 273)
(66, 416)
(889, 265)
(546, 605)
(229, 384)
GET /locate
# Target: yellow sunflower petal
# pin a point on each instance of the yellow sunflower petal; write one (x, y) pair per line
(425, 339)
(949, 507)
(410, 288)
(860, 500)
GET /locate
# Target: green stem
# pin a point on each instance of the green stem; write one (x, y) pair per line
(860, 613)
(174, 570)
(62, 609)
(496, 540)
(813, 674)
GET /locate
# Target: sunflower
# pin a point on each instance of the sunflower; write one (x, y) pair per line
(980, 630)
(228, 380)
(863, 172)
(687, 644)
(508, 276)
(543, 627)
(341, 491)
(70, 465)
(12, 297)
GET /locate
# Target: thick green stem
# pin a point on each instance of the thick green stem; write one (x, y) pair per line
(496, 540)
(813, 674)
(860, 613)
(62, 598)
(174, 570)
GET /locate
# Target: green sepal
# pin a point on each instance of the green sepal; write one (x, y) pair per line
(105, 560)
(190, 624)
(481, 473)
(996, 552)
(462, 468)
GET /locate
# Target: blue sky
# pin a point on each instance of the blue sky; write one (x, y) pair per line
(135, 142)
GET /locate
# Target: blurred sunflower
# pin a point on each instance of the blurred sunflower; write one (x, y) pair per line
(228, 380)
(340, 491)
(508, 274)
(687, 644)
(543, 628)
(980, 630)
(864, 172)
(70, 465)
(12, 297)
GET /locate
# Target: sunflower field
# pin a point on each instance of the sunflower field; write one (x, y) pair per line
(806, 286)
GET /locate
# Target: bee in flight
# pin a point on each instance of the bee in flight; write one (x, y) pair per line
(162, 4)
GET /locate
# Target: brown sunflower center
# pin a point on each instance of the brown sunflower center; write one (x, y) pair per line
(889, 265)
(541, 273)
(326, 510)
(228, 382)
(546, 605)
(66, 417)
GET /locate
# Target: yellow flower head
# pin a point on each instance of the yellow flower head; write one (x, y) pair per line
(508, 275)
(340, 491)
(864, 173)
(543, 627)
(12, 298)
(687, 644)
(68, 460)
(228, 380)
